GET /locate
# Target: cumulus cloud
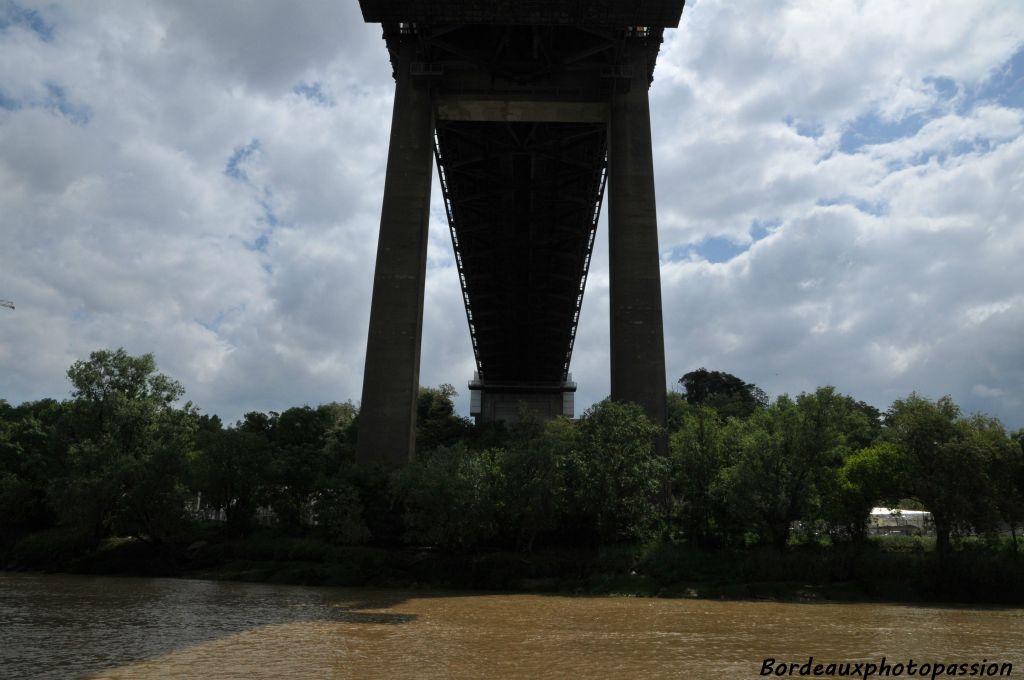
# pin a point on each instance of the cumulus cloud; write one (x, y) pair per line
(872, 139)
(839, 185)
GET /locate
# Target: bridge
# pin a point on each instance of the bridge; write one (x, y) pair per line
(531, 110)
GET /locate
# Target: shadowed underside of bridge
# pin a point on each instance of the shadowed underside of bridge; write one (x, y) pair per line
(527, 108)
(523, 200)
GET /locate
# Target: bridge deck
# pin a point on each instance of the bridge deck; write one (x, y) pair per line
(522, 201)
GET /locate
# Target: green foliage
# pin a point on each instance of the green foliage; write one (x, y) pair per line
(945, 461)
(615, 482)
(436, 422)
(53, 548)
(32, 453)
(697, 448)
(16, 501)
(340, 422)
(339, 509)
(867, 477)
(122, 459)
(784, 459)
(285, 460)
(724, 392)
(1008, 476)
(227, 471)
(298, 465)
(127, 461)
(450, 497)
(531, 477)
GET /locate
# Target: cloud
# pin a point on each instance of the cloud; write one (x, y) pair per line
(839, 191)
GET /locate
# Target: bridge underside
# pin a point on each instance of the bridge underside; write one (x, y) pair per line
(523, 200)
(521, 139)
(532, 105)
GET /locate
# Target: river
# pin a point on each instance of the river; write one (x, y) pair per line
(56, 626)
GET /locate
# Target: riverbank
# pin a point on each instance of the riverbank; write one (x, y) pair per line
(906, 570)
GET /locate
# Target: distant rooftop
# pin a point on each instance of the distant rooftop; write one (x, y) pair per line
(648, 13)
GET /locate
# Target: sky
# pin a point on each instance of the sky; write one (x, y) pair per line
(840, 191)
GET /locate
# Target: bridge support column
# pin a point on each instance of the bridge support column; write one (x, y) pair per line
(387, 415)
(637, 335)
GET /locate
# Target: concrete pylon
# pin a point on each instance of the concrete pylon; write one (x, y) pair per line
(387, 417)
(637, 333)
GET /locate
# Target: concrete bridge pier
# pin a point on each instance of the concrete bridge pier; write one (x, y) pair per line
(387, 414)
(637, 335)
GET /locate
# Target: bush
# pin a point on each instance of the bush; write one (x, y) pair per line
(450, 497)
(50, 550)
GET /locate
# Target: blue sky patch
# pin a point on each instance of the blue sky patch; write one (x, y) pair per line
(761, 228)
(271, 220)
(877, 209)
(945, 87)
(805, 128)
(714, 249)
(238, 157)
(872, 129)
(13, 14)
(7, 103)
(717, 249)
(260, 244)
(1006, 86)
(314, 93)
(269, 216)
(57, 101)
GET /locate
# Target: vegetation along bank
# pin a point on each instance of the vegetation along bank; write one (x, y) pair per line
(756, 498)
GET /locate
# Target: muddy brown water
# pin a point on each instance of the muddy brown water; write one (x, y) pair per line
(54, 626)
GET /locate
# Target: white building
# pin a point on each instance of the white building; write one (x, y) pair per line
(893, 521)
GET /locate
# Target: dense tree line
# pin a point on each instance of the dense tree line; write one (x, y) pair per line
(123, 457)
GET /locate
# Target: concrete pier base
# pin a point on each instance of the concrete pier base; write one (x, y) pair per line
(489, 403)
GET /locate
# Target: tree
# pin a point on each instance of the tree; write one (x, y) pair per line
(1008, 474)
(531, 476)
(868, 477)
(614, 477)
(128, 459)
(697, 460)
(766, 481)
(227, 470)
(944, 460)
(450, 497)
(340, 422)
(723, 392)
(784, 460)
(436, 421)
(299, 464)
(339, 510)
(33, 451)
